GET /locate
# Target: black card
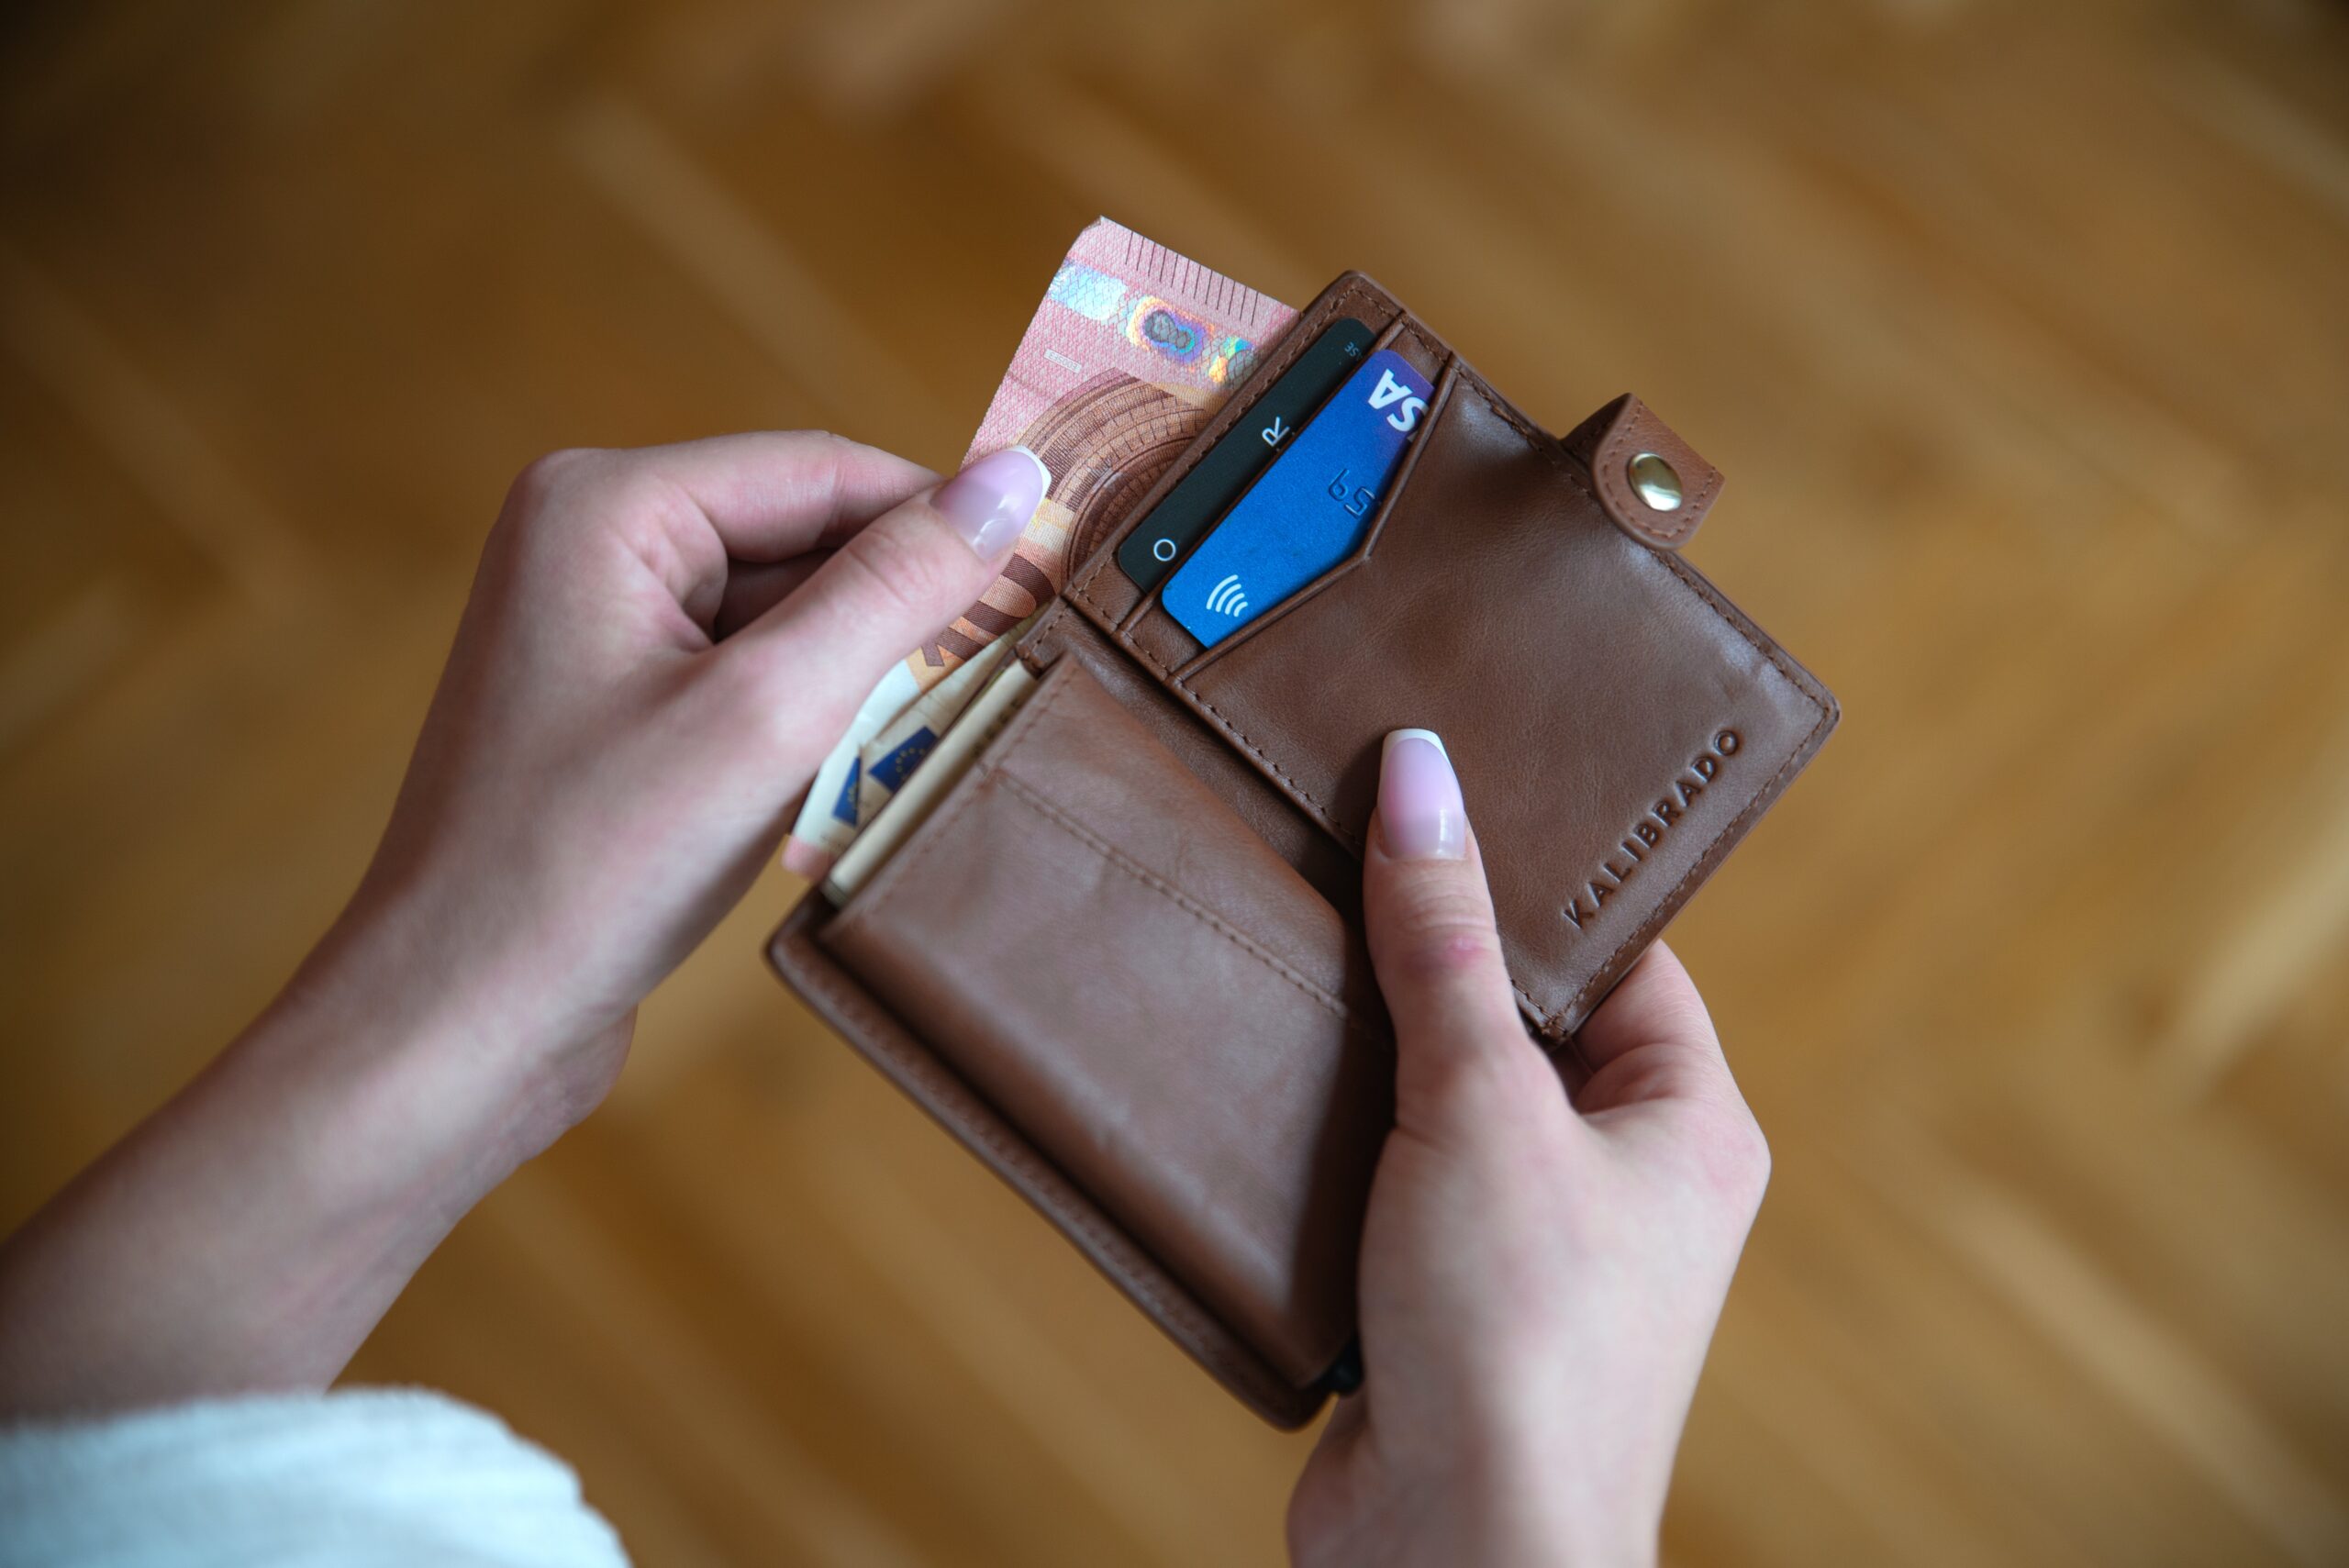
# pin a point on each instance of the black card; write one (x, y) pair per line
(1150, 552)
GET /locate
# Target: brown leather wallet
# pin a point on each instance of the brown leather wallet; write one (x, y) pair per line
(1121, 960)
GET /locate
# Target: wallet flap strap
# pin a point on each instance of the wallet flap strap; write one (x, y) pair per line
(1650, 482)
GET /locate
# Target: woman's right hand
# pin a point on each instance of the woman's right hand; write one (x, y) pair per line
(1541, 1276)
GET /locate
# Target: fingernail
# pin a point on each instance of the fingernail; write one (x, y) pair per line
(990, 502)
(1420, 811)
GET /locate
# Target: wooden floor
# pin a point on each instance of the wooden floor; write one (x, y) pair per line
(2022, 332)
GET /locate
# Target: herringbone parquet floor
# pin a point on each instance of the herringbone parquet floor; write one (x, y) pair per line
(2021, 331)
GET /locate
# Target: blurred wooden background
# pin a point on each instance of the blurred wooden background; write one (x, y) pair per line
(2021, 331)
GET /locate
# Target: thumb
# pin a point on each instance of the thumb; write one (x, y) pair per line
(1429, 915)
(888, 588)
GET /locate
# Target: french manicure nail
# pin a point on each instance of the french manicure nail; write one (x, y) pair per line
(1419, 810)
(990, 502)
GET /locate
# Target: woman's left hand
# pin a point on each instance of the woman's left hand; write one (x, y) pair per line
(660, 649)
(661, 646)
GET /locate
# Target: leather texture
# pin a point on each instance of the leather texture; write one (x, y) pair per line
(1617, 724)
(1122, 959)
(1169, 1011)
(1612, 439)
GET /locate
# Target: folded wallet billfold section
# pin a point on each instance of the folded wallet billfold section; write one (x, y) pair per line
(1121, 960)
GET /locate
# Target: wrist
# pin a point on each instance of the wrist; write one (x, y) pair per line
(250, 1233)
(480, 996)
(1551, 1518)
(1539, 1497)
(439, 1040)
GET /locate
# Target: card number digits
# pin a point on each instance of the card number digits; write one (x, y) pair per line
(1357, 501)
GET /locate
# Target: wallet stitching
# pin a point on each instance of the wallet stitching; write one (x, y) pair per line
(1118, 858)
(949, 1092)
(1606, 471)
(1755, 803)
(1412, 329)
(1043, 633)
(1548, 448)
(993, 771)
(880, 890)
(1114, 1243)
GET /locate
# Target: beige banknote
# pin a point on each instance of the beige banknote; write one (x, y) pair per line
(884, 762)
(988, 712)
(1132, 348)
(827, 819)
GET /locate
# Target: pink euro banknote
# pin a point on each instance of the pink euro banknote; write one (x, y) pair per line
(1131, 351)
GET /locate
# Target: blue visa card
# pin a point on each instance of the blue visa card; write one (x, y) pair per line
(1307, 512)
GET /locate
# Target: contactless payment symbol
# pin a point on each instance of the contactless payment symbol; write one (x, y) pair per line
(1229, 598)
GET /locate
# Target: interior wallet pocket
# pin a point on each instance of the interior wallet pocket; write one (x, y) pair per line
(1157, 1001)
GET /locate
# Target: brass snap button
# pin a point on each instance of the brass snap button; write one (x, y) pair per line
(1656, 481)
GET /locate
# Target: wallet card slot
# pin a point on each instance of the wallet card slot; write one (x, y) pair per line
(1107, 594)
(1159, 1002)
(1189, 669)
(1408, 338)
(1151, 632)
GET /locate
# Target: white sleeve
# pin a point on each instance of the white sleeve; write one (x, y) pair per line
(353, 1479)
